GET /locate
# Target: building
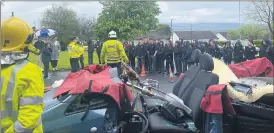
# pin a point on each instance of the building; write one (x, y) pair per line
(199, 35)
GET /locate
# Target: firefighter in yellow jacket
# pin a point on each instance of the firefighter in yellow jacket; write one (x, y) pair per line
(22, 84)
(75, 52)
(113, 52)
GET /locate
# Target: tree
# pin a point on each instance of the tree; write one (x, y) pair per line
(234, 34)
(63, 20)
(86, 27)
(128, 18)
(164, 29)
(262, 11)
(248, 31)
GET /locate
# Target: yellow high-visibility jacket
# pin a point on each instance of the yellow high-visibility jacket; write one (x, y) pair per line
(113, 52)
(22, 92)
(74, 50)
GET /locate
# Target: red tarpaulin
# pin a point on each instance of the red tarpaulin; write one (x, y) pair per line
(78, 83)
(258, 67)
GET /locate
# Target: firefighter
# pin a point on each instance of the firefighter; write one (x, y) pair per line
(22, 84)
(75, 52)
(238, 52)
(250, 51)
(113, 52)
(169, 57)
(178, 57)
(228, 51)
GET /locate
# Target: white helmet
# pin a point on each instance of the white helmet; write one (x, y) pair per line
(112, 34)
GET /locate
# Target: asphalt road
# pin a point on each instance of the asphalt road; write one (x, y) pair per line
(163, 79)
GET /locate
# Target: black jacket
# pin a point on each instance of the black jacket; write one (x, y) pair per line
(228, 52)
(214, 51)
(160, 51)
(169, 52)
(151, 49)
(39, 45)
(250, 53)
(201, 48)
(90, 46)
(132, 51)
(141, 50)
(46, 55)
(178, 51)
(238, 53)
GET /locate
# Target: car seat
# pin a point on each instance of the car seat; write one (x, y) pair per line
(192, 97)
(183, 83)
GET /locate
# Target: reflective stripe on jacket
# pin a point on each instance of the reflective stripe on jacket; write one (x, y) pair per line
(113, 52)
(22, 91)
(74, 50)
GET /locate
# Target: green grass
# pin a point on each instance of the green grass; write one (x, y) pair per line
(63, 62)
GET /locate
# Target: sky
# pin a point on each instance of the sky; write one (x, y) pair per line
(180, 12)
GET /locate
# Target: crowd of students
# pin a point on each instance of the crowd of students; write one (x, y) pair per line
(160, 57)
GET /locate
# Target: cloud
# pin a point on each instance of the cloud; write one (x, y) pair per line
(181, 12)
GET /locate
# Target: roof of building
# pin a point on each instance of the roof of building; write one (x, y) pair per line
(190, 35)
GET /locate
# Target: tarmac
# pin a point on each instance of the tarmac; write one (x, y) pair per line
(164, 84)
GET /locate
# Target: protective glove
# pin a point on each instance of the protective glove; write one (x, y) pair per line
(31, 48)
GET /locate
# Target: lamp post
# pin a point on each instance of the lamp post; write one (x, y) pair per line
(171, 30)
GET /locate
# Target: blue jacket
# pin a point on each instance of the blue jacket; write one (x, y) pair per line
(46, 55)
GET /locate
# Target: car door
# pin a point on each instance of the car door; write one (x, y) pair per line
(69, 115)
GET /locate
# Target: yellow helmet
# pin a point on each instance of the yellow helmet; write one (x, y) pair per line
(16, 35)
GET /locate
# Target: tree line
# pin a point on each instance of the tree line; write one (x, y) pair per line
(134, 18)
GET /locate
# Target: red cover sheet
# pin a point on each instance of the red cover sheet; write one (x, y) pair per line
(258, 67)
(77, 83)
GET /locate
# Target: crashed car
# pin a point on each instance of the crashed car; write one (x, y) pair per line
(216, 100)
(91, 100)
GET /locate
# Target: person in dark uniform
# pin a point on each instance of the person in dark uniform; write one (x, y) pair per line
(169, 57)
(132, 54)
(98, 47)
(152, 51)
(228, 51)
(140, 54)
(186, 47)
(193, 46)
(269, 50)
(238, 52)
(263, 50)
(90, 51)
(201, 46)
(178, 57)
(146, 43)
(250, 51)
(213, 48)
(161, 57)
(126, 47)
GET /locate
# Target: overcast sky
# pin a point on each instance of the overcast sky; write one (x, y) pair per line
(181, 12)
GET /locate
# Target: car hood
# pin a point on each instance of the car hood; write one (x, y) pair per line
(49, 101)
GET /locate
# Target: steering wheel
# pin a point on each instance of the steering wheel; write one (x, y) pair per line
(134, 122)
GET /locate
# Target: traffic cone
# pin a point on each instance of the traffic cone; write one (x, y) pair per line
(171, 79)
(143, 73)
